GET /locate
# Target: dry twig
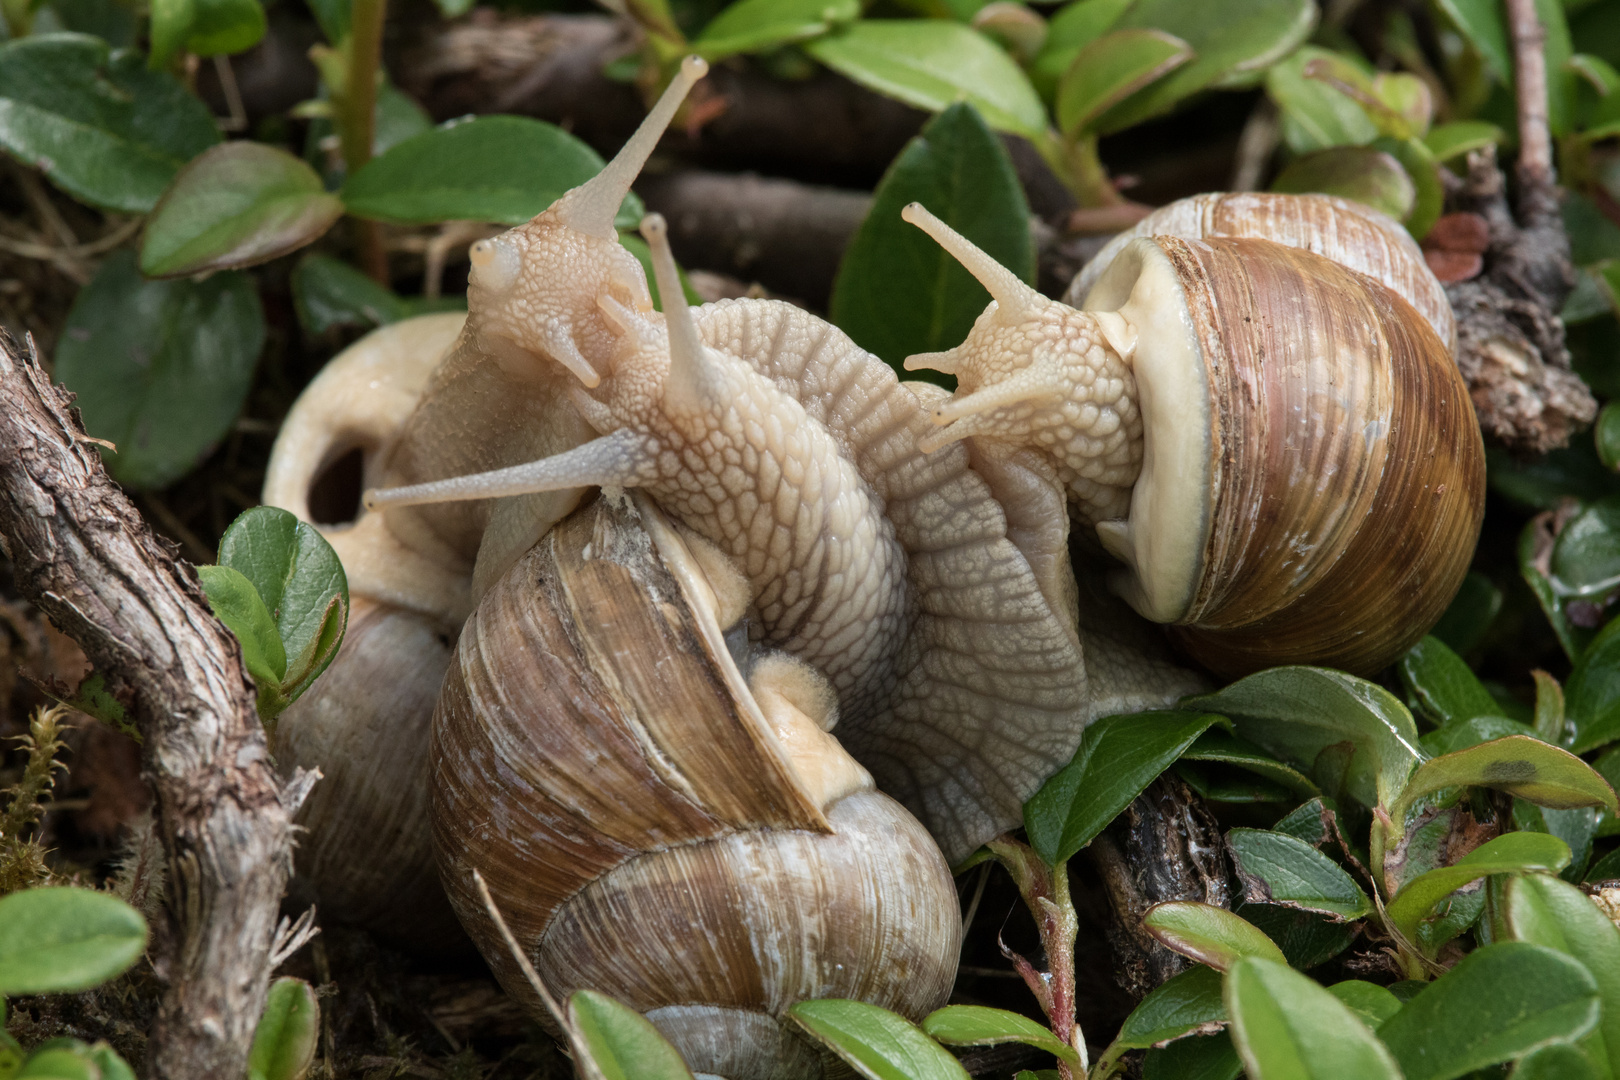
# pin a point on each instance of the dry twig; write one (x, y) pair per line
(82, 553)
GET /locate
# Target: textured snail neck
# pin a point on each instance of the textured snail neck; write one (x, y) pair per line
(1039, 374)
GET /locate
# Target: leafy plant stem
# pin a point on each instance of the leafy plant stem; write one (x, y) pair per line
(1045, 890)
(1075, 162)
(356, 118)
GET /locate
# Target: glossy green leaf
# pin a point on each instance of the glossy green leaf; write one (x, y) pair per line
(876, 1043)
(1211, 935)
(1592, 694)
(1221, 746)
(1481, 22)
(1358, 173)
(1276, 868)
(170, 23)
(1606, 868)
(101, 126)
(1442, 685)
(1316, 116)
(328, 292)
(1480, 729)
(1110, 69)
(58, 1063)
(1118, 757)
(236, 204)
(298, 576)
(977, 1025)
(1184, 1004)
(1586, 556)
(55, 939)
(1219, 783)
(1231, 44)
(236, 603)
(1287, 1027)
(1206, 1057)
(622, 1044)
(757, 25)
(106, 1059)
(161, 368)
(504, 169)
(1546, 911)
(1521, 765)
(1549, 714)
(1576, 827)
(898, 292)
(1306, 938)
(1555, 1061)
(1498, 1003)
(1306, 822)
(1373, 1003)
(284, 1041)
(1454, 140)
(1347, 732)
(1512, 853)
(932, 64)
(225, 27)
(1068, 31)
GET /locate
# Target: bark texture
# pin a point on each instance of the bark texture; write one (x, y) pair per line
(82, 553)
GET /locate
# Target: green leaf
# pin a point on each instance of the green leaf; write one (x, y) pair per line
(1481, 22)
(171, 22)
(1472, 732)
(1112, 68)
(1373, 1003)
(224, 27)
(1521, 765)
(284, 1042)
(1442, 685)
(328, 292)
(977, 1025)
(1592, 694)
(1223, 747)
(1316, 116)
(1498, 1003)
(59, 1063)
(1425, 174)
(398, 118)
(1071, 29)
(237, 604)
(1280, 869)
(504, 169)
(302, 584)
(1206, 933)
(1182, 1005)
(1546, 911)
(622, 1044)
(1555, 1061)
(1577, 828)
(1347, 732)
(161, 368)
(1221, 784)
(1305, 822)
(1449, 141)
(1232, 44)
(1286, 1027)
(1207, 1057)
(933, 64)
(237, 204)
(101, 126)
(758, 25)
(1359, 173)
(898, 292)
(107, 1061)
(1586, 556)
(1606, 434)
(1118, 757)
(1511, 853)
(878, 1044)
(1606, 868)
(55, 939)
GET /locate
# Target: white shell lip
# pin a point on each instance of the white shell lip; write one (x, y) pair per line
(1164, 540)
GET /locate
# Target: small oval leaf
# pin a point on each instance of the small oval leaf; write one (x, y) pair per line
(1110, 69)
(977, 1025)
(1209, 934)
(622, 1044)
(1513, 853)
(877, 1043)
(1360, 173)
(1280, 869)
(55, 939)
(1286, 1027)
(1521, 765)
(284, 1042)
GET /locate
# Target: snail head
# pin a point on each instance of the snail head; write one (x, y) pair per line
(536, 288)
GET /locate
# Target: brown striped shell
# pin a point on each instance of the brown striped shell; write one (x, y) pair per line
(1313, 476)
(656, 824)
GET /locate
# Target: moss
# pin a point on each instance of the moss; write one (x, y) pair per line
(22, 857)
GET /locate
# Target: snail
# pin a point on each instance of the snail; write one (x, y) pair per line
(946, 623)
(1276, 445)
(364, 849)
(658, 810)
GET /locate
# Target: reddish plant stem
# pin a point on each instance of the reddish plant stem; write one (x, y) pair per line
(1046, 890)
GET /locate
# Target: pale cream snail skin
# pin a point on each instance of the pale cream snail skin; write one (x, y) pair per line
(1277, 447)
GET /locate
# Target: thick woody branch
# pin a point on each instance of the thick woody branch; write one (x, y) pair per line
(82, 553)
